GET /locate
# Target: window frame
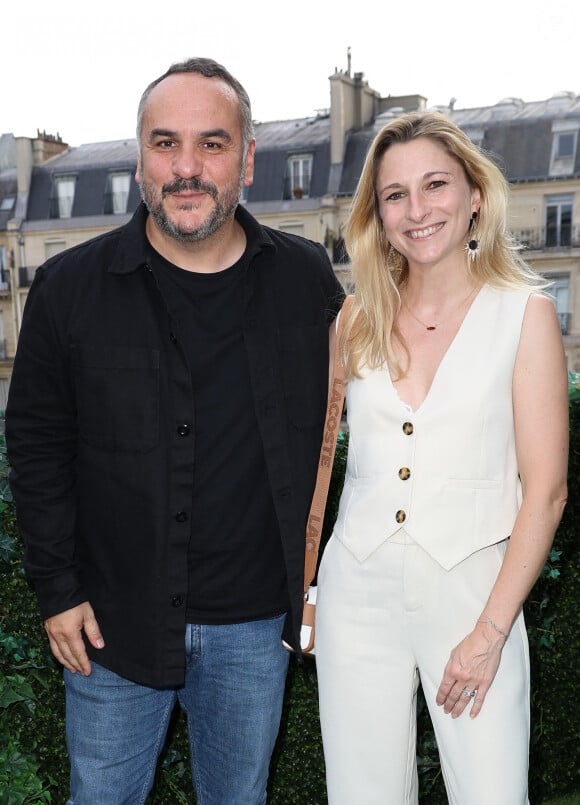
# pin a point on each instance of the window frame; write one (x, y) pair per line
(112, 196)
(562, 231)
(61, 205)
(298, 181)
(562, 164)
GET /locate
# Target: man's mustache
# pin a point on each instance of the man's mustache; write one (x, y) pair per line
(193, 185)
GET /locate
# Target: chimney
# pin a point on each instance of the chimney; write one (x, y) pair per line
(353, 105)
(45, 146)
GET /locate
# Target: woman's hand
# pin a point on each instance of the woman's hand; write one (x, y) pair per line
(470, 671)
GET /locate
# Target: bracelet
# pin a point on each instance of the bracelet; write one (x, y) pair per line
(494, 625)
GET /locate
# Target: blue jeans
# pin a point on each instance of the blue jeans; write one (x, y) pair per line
(232, 697)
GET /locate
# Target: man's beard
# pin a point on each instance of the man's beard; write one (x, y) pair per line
(224, 209)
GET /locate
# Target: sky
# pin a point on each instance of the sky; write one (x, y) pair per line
(77, 68)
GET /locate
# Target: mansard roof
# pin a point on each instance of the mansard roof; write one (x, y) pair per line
(517, 134)
(278, 140)
(92, 165)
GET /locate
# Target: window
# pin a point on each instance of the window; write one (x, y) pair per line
(565, 145)
(3, 393)
(298, 175)
(117, 195)
(7, 203)
(294, 228)
(475, 135)
(52, 247)
(63, 194)
(3, 269)
(339, 253)
(560, 292)
(565, 140)
(559, 220)
(3, 354)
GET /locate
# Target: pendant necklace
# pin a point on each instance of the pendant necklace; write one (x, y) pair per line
(431, 327)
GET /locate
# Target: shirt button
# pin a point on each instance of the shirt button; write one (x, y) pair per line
(404, 473)
(183, 430)
(400, 516)
(181, 517)
(408, 428)
(173, 338)
(176, 601)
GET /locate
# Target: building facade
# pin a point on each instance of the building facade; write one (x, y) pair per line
(53, 196)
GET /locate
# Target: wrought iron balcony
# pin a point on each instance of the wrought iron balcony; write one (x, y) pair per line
(565, 322)
(25, 276)
(542, 237)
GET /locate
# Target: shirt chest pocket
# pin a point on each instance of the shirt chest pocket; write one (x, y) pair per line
(117, 393)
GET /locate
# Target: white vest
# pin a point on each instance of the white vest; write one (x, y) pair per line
(446, 473)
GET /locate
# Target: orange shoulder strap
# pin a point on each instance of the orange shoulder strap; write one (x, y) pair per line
(334, 409)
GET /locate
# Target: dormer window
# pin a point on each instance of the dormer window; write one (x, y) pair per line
(476, 135)
(564, 143)
(117, 195)
(62, 197)
(298, 176)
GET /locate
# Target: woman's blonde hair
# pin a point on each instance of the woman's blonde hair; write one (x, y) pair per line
(379, 270)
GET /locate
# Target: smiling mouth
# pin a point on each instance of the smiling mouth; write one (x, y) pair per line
(416, 234)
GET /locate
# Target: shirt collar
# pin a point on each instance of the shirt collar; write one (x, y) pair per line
(134, 246)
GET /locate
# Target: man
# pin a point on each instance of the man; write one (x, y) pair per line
(163, 426)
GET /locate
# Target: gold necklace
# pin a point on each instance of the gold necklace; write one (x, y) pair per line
(431, 327)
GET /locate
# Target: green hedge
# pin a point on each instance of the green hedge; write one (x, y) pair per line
(33, 761)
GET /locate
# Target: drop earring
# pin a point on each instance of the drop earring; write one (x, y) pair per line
(472, 245)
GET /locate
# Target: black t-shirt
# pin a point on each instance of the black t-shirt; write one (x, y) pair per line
(236, 564)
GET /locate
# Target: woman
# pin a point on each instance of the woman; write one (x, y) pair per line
(455, 483)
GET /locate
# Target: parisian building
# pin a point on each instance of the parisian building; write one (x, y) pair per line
(54, 196)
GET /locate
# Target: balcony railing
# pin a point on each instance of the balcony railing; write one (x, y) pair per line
(541, 237)
(25, 276)
(565, 322)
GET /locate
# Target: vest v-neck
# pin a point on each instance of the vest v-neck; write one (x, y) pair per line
(450, 349)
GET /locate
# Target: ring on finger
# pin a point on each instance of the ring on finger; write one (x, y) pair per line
(469, 694)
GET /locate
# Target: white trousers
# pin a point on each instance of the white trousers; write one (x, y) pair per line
(381, 626)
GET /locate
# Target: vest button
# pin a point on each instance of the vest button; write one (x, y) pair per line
(400, 516)
(408, 428)
(404, 473)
